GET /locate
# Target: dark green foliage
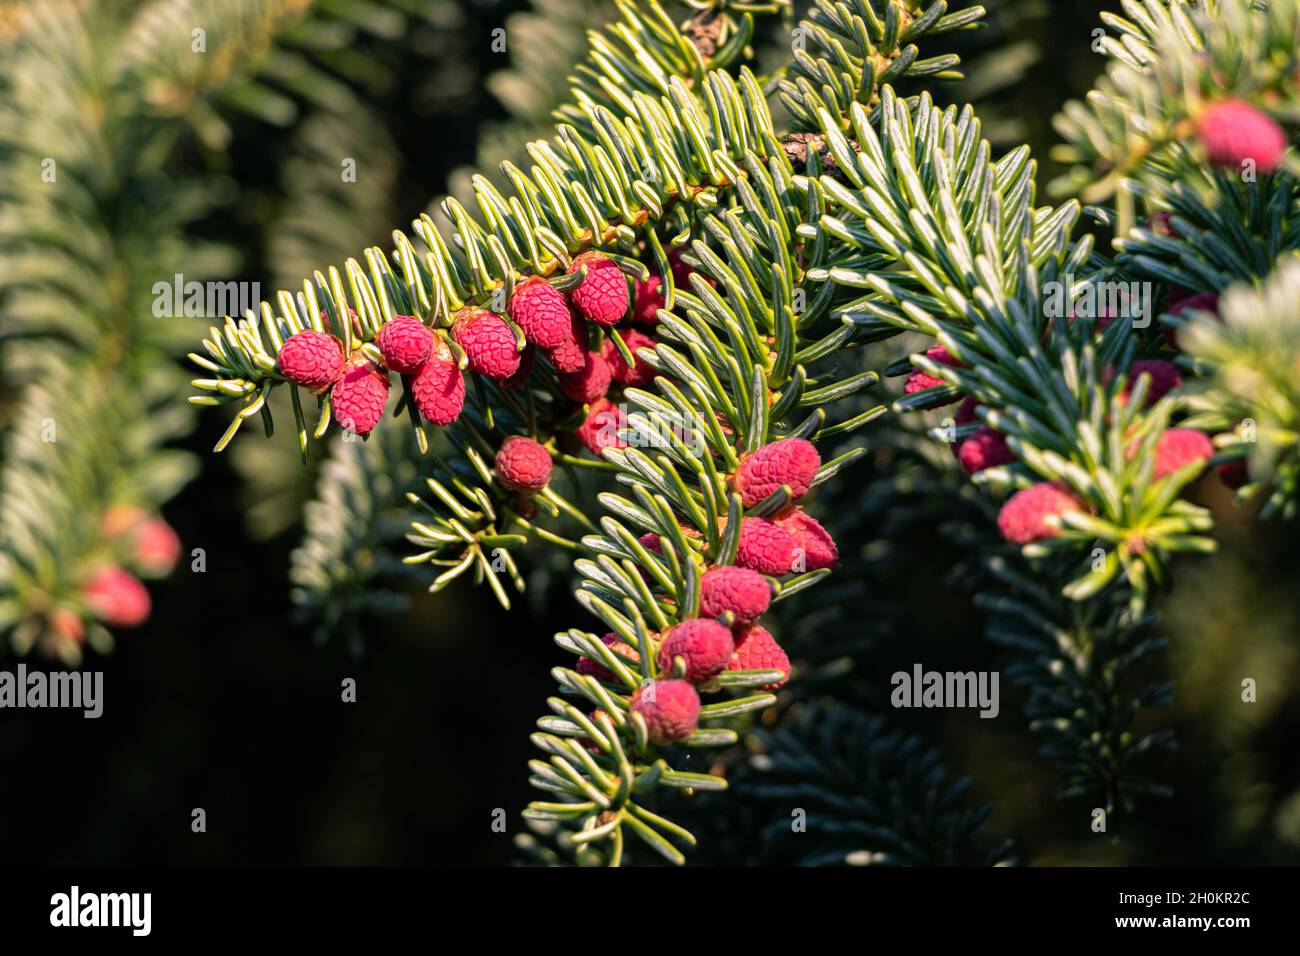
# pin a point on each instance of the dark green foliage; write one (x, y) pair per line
(834, 786)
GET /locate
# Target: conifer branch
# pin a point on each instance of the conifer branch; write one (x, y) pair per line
(1169, 60)
(66, 448)
(951, 246)
(722, 401)
(1083, 665)
(97, 97)
(345, 567)
(868, 796)
(900, 219)
(1247, 389)
(607, 176)
(746, 355)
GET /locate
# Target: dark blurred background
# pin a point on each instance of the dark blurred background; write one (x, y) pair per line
(221, 703)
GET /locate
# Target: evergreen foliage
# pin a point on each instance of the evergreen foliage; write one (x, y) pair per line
(814, 230)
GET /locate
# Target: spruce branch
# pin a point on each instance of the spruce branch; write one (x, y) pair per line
(1194, 243)
(1169, 60)
(345, 569)
(846, 52)
(1141, 138)
(713, 404)
(87, 466)
(161, 41)
(643, 52)
(973, 260)
(688, 169)
(1039, 381)
(75, 466)
(465, 520)
(579, 196)
(1247, 360)
(749, 354)
(1082, 663)
(869, 796)
(950, 245)
(607, 176)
